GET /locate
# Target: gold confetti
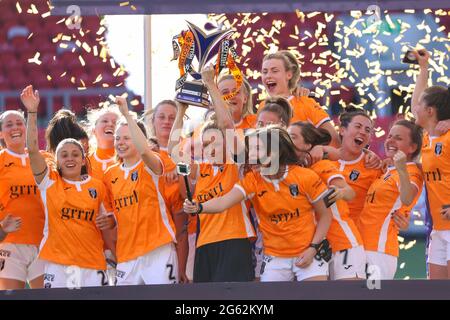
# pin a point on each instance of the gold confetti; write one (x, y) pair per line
(49, 78)
(134, 102)
(19, 9)
(402, 265)
(63, 74)
(35, 59)
(31, 34)
(123, 4)
(45, 15)
(82, 61)
(380, 133)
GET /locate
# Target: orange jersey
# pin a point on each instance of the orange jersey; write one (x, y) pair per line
(375, 223)
(436, 172)
(343, 233)
(70, 234)
(20, 197)
(305, 109)
(143, 223)
(233, 223)
(100, 160)
(360, 179)
(284, 208)
(248, 122)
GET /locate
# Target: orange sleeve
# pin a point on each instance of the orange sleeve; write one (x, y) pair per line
(315, 113)
(416, 177)
(313, 185)
(106, 199)
(327, 171)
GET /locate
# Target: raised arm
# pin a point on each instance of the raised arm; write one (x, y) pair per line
(422, 79)
(342, 191)
(335, 140)
(30, 100)
(175, 134)
(224, 119)
(148, 156)
(408, 190)
(216, 205)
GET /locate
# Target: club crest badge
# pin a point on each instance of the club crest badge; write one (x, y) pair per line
(293, 188)
(93, 193)
(438, 149)
(354, 175)
(134, 176)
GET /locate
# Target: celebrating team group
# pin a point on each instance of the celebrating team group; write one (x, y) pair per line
(279, 194)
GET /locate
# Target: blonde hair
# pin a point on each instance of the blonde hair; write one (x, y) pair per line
(93, 115)
(149, 114)
(248, 107)
(290, 64)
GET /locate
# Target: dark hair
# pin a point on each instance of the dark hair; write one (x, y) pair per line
(62, 143)
(349, 113)
(438, 97)
(18, 113)
(312, 135)
(287, 152)
(415, 134)
(62, 126)
(280, 106)
(290, 64)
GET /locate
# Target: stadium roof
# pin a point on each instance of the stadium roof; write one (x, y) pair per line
(99, 7)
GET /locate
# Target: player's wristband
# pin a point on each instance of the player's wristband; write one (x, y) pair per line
(200, 208)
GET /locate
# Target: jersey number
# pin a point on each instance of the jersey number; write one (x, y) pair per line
(2, 264)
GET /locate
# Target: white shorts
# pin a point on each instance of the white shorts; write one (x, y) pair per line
(284, 269)
(439, 248)
(72, 277)
(347, 264)
(380, 266)
(20, 262)
(159, 266)
(191, 256)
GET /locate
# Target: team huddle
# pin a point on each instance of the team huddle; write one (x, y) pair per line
(277, 195)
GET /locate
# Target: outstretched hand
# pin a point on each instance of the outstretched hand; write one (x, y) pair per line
(123, 105)
(10, 224)
(30, 98)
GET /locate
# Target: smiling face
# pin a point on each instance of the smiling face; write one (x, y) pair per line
(104, 130)
(70, 161)
(236, 103)
(275, 77)
(125, 148)
(163, 120)
(356, 135)
(399, 139)
(13, 131)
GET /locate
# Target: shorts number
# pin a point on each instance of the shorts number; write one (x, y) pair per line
(2, 264)
(171, 277)
(104, 278)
